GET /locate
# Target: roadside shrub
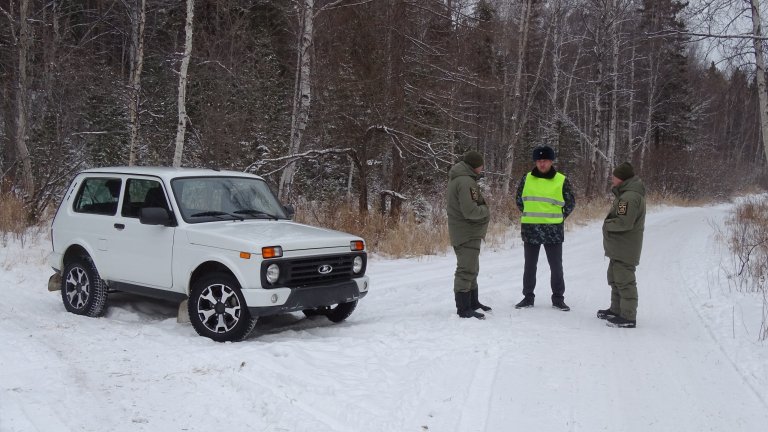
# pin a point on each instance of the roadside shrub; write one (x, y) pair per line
(746, 234)
(421, 229)
(13, 216)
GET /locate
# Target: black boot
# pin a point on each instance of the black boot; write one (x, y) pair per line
(560, 305)
(464, 306)
(526, 302)
(618, 321)
(476, 303)
(606, 313)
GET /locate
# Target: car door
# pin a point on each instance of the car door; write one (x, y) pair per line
(145, 251)
(91, 219)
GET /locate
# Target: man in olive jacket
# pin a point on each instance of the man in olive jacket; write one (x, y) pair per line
(623, 241)
(468, 217)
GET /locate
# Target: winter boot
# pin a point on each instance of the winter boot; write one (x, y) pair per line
(617, 321)
(526, 302)
(476, 304)
(606, 313)
(464, 306)
(559, 304)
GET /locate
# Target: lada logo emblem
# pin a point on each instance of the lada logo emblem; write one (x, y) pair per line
(324, 269)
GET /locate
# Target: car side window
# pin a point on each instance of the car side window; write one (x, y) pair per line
(98, 195)
(141, 193)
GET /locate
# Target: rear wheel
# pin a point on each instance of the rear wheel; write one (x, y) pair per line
(217, 309)
(337, 313)
(82, 290)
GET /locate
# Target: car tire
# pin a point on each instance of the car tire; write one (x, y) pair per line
(336, 314)
(217, 309)
(82, 289)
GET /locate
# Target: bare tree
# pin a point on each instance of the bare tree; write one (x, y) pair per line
(182, 101)
(302, 93)
(722, 22)
(138, 14)
(762, 92)
(24, 41)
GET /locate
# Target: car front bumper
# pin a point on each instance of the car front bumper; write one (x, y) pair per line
(264, 302)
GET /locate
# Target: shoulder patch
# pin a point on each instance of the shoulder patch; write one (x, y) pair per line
(622, 208)
(473, 193)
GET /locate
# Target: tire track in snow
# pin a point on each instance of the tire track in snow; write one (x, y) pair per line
(474, 416)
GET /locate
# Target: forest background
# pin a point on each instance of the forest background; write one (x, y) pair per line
(364, 105)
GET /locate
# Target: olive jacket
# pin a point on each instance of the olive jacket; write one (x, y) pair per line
(623, 227)
(468, 214)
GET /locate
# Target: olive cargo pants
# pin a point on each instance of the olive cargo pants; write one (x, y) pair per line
(621, 278)
(467, 266)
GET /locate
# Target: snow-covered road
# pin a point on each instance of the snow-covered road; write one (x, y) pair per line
(404, 361)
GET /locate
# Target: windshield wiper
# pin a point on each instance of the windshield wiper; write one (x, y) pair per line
(254, 212)
(217, 214)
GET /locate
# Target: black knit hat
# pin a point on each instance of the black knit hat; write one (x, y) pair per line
(624, 171)
(473, 159)
(543, 152)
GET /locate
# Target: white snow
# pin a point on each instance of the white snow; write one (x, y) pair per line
(404, 361)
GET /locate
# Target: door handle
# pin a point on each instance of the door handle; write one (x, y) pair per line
(119, 226)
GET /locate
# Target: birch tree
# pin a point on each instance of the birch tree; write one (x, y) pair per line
(138, 16)
(182, 100)
(302, 93)
(762, 92)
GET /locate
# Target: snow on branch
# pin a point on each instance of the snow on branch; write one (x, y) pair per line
(406, 143)
(667, 33)
(287, 160)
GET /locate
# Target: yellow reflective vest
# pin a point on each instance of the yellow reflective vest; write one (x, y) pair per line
(543, 200)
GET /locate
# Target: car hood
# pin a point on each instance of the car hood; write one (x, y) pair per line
(251, 236)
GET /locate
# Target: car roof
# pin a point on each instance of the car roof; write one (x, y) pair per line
(168, 172)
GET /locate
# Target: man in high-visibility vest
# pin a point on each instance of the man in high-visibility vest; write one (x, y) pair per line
(545, 197)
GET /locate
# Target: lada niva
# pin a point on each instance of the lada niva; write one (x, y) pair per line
(218, 240)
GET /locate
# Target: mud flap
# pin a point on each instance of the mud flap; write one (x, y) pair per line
(183, 315)
(54, 282)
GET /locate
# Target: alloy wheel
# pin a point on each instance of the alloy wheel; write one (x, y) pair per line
(218, 308)
(78, 287)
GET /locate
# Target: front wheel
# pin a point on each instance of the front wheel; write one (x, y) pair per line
(217, 309)
(82, 290)
(336, 314)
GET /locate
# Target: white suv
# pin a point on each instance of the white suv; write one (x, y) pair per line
(219, 240)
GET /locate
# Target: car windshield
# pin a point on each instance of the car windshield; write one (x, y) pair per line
(206, 199)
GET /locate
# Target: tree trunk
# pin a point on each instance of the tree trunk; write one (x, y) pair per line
(396, 90)
(138, 18)
(631, 103)
(613, 125)
(649, 127)
(598, 118)
(762, 92)
(182, 101)
(517, 97)
(302, 94)
(27, 177)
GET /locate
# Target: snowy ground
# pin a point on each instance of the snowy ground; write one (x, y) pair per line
(404, 361)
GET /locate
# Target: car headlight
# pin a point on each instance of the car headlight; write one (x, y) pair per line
(357, 264)
(273, 273)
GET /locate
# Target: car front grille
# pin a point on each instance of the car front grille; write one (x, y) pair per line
(317, 270)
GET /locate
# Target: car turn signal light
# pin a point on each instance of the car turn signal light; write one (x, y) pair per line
(271, 252)
(357, 245)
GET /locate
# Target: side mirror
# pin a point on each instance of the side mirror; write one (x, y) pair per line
(289, 210)
(155, 216)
